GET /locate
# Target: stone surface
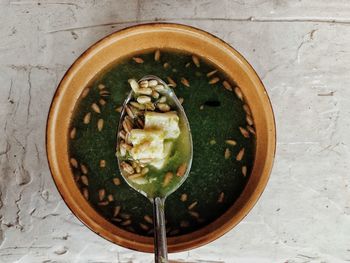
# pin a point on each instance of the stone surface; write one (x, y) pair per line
(299, 48)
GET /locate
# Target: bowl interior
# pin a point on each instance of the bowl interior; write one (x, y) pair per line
(135, 40)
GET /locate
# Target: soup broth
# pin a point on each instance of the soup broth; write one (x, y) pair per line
(222, 132)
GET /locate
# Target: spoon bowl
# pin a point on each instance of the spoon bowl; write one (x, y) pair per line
(186, 142)
(141, 175)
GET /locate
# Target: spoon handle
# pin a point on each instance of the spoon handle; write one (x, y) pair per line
(160, 244)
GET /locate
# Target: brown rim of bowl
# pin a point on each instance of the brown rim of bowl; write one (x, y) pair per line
(199, 237)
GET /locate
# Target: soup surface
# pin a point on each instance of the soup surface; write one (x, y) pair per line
(222, 133)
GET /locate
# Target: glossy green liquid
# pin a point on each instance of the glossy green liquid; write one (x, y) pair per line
(214, 115)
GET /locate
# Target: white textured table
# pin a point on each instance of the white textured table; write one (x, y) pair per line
(301, 50)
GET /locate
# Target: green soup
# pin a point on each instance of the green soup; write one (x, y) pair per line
(222, 134)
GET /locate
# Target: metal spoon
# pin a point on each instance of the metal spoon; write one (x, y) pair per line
(160, 244)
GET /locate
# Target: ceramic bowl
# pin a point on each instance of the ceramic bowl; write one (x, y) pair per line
(129, 41)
